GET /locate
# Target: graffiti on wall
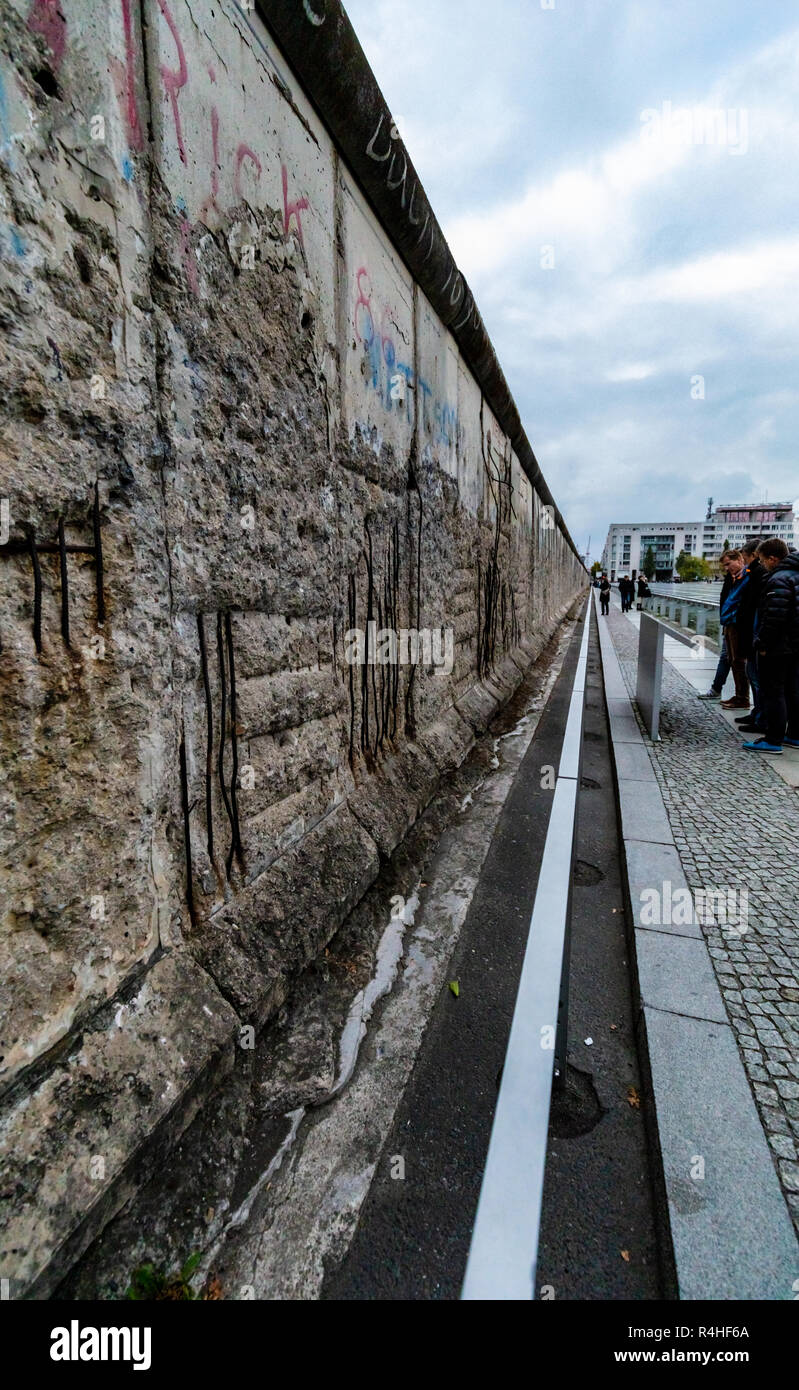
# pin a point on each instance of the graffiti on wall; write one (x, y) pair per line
(394, 380)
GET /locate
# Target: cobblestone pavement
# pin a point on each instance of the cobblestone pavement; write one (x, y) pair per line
(736, 826)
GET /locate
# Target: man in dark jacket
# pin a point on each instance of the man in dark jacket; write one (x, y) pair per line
(747, 616)
(728, 615)
(776, 641)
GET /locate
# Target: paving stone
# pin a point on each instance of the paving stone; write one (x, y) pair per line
(783, 1146)
(789, 1173)
(774, 1120)
(757, 967)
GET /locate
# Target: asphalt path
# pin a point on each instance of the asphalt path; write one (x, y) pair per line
(413, 1237)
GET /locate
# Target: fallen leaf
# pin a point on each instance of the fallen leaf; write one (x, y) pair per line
(625, 1254)
(633, 1098)
(613, 1027)
(455, 987)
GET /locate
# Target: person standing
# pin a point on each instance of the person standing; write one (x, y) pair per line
(604, 595)
(732, 633)
(776, 641)
(644, 590)
(723, 668)
(747, 617)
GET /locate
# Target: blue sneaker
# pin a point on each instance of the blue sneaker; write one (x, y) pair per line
(763, 746)
(791, 742)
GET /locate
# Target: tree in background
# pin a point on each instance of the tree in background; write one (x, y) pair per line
(649, 563)
(596, 569)
(691, 567)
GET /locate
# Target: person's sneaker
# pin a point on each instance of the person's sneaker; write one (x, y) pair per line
(748, 726)
(735, 703)
(711, 694)
(791, 742)
(762, 746)
(744, 719)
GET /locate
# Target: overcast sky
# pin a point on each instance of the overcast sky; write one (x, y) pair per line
(675, 237)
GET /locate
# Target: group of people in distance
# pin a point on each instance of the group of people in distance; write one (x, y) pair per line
(627, 588)
(759, 623)
(759, 614)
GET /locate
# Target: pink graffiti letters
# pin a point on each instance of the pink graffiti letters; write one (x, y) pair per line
(124, 75)
(292, 209)
(244, 152)
(174, 80)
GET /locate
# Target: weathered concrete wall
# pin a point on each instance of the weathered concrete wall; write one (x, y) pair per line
(224, 390)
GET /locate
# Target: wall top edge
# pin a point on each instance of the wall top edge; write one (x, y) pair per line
(320, 45)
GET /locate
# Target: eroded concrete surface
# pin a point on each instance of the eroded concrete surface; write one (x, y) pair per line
(233, 429)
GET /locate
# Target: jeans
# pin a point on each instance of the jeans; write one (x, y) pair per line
(723, 668)
(779, 687)
(738, 664)
(757, 698)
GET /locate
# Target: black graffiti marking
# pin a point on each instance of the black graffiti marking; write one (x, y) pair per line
(352, 615)
(37, 593)
(378, 707)
(495, 600)
(184, 798)
(236, 845)
(369, 620)
(209, 738)
(410, 719)
(98, 555)
(220, 654)
(62, 565)
(30, 547)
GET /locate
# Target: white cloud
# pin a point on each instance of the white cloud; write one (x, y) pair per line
(630, 371)
(767, 266)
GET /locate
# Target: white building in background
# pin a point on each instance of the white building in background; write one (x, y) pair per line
(628, 542)
(726, 527)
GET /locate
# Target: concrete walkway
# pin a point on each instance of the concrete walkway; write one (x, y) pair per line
(720, 1003)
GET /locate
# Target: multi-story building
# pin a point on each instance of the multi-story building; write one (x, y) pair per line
(725, 528)
(729, 526)
(627, 544)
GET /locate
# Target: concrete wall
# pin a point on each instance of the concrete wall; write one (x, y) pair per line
(226, 393)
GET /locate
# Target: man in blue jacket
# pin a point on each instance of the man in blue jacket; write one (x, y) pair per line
(776, 640)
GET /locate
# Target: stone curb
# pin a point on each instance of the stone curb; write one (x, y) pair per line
(730, 1231)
